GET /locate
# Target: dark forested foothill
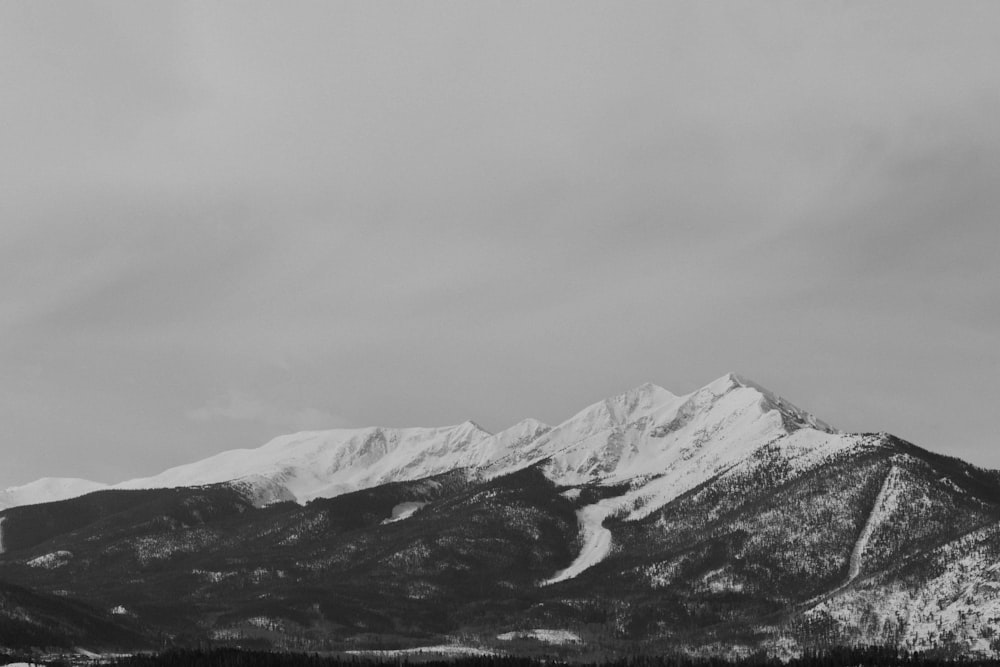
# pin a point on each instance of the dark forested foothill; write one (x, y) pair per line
(846, 657)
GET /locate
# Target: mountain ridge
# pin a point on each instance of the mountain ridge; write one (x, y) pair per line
(468, 444)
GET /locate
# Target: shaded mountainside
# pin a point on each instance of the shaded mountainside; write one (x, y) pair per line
(845, 657)
(29, 620)
(724, 522)
(333, 565)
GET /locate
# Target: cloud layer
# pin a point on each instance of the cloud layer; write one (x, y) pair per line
(219, 218)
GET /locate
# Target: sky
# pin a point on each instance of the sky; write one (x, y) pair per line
(224, 221)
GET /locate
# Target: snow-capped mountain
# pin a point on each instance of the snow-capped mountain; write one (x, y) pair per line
(665, 444)
(323, 464)
(644, 433)
(316, 464)
(682, 521)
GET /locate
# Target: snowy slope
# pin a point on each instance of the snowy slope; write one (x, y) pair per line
(323, 464)
(958, 604)
(663, 445)
(649, 432)
(660, 443)
(315, 464)
(47, 489)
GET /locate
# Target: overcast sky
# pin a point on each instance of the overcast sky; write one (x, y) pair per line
(223, 221)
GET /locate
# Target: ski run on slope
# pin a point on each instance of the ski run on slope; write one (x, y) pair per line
(596, 542)
(884, 505)
(881, 508)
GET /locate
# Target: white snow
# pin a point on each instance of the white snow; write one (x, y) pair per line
(90, 654)
(441, 649)
(659, 443)
(316, 464)
(543, 635)
(961, 601)
(603, 428)
(404, 511)
(664, 445)
(52, 560)
(571, 494)
(596, 541)
(507, 442)
(884, 505)
(46, 490)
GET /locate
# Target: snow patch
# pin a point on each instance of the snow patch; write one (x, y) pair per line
(440, 649)
(213, 577)
(52, 560)
(404, 511)
(543, 635)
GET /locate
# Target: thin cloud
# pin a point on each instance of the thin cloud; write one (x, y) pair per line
(236, 406)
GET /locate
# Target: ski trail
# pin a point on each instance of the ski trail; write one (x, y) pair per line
(875, 516)
(596, 542)
(2, 548)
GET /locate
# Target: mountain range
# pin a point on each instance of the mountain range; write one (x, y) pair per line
(724, 521)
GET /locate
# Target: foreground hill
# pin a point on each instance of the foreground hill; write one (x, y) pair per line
(725, 520)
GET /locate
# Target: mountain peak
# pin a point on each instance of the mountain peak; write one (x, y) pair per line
(731, 381)
(470, 425)
(648, 389)
(529, 424)
(793, 416)
(646, 394)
